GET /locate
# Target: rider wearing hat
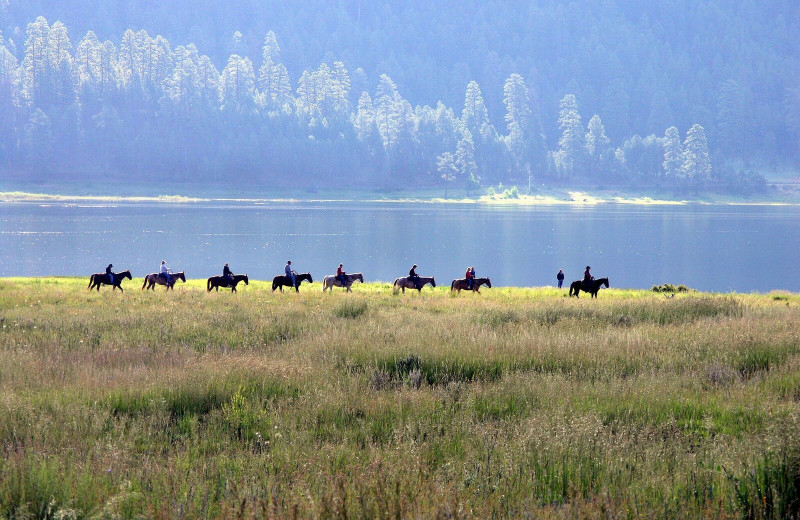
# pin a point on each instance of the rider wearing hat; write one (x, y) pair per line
(226, 273)
(412, 274)
(587, 276)
(340, 275)
(110, 274)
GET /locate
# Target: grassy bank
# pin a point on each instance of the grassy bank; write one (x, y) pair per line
(368, 405)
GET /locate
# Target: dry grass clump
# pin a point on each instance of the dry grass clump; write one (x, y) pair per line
(515, 403)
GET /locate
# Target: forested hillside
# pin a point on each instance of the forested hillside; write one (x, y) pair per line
(400, 94)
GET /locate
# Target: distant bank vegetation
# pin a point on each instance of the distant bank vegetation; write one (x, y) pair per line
(142, 107)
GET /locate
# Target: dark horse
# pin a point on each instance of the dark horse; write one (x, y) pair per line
(281, 281)
(152, 279)
(462, 284)
(577, 286)
(215, 282)
(98, 279)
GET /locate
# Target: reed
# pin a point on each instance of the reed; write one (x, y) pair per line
(517, 402)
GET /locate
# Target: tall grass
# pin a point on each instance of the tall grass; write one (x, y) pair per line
(516, 403)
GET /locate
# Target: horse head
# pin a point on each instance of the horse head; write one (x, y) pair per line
(433, 282)
(488, 283)
(126, 274)
(246, 280)
(308, 275)
(182, 276)
(604, 281)
(360, 277)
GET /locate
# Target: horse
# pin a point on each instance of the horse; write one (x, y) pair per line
(331, 281)
(215, 282)
(406, 282)
(98, 279)
(577, 286)
(152, 279)
(463, 284)
(281, 281)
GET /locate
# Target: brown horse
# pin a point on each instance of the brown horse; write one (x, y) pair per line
(152, 279)
(98, 279)
(215, 282)
(331, 281)
(406, 282)
(281, 281)
(463, 284)
(577, 286)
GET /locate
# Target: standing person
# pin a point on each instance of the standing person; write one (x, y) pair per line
(412, 273)
(560, 278)
(290, 273)
(340, 275)
(110, 274)
(470, 277)
(227, 274)
(165, 272)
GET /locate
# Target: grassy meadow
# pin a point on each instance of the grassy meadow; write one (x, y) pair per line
(514, 403)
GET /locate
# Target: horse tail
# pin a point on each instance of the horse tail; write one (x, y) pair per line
(208, 285)
(453, 285)
(570, 289)
(145, 281)
(91, 282)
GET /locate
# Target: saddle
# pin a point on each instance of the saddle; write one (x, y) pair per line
(587, 286)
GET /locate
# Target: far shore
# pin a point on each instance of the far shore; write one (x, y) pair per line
(541, 197)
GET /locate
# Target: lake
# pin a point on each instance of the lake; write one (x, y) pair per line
(715, 248)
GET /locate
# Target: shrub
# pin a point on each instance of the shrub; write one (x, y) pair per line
(350, 309)
(511, 193)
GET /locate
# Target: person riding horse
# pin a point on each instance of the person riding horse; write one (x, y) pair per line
(110, 275)
(340, 274)
(470, 276)
(165, 272)
(227, 274)
(587, 277)
(412, 274)
(290, 273)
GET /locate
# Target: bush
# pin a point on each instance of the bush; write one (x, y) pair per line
(490, 192)
(670, 288)
(511, 193)
(351, 309)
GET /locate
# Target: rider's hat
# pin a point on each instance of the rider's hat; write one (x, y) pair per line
(415, 265)
(340, 265)
(587, 267)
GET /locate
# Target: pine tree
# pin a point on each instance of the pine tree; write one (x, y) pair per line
(571, 144)
(237, 84)
(696, 160)
(596, 140)
(673, 153)
(465, 159)
(475, 116)
(448, 171)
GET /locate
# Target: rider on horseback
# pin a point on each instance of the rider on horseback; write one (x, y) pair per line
(165, 272)
(587, 277)
(227, 274)
(470, 277)
(413, 276)
(110, 274)
(290, 273)
(341, 275)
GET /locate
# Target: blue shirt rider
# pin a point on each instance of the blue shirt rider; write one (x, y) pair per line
(165, 272)
(290, 273)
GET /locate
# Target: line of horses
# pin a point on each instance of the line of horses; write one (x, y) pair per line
(328, 282)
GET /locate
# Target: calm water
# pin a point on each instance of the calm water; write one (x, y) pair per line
(706, 247)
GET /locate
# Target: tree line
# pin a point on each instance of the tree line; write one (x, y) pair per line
(142, 110)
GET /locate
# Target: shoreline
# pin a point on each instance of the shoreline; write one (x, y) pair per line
(554, 198)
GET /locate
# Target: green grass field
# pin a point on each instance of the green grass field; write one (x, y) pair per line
(514, 403)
